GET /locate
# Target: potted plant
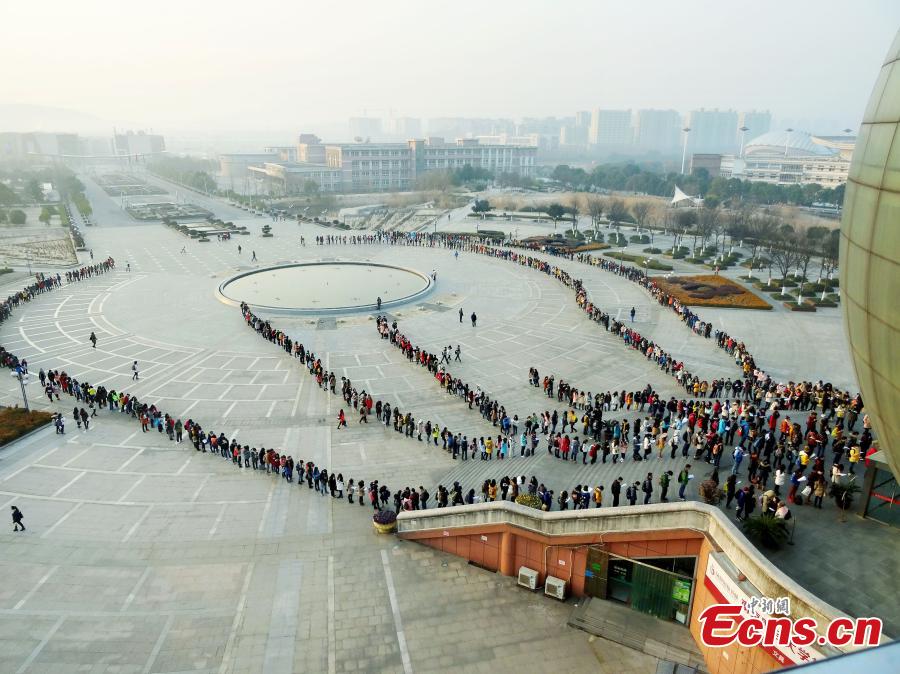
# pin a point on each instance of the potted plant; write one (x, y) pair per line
(530, 500)
(843, 494)
(709, 491)
(770, 532)
(385, 521)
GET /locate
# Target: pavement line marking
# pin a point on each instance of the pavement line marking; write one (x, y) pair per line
(60, 521)
(157, 647)
(200, 487)
(227, 657)
(132, 458)
(30, 343)
(137, 586)
(230, 407)
(37, 649)
(332, 646)
(140, 521)
(184, 465)
(37, 587)
(219, 518)
(265, 513)
(68, 484)
(395, 609)
(13, 474)
(271, 408)
(297, 398)
(134, 485)
(125, 441)
(71, 459)
(278, 655)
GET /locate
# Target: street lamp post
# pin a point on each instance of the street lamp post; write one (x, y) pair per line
(22, 379)
(743, 131)
(787, 140)
(686, 130)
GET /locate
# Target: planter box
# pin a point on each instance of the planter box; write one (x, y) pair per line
(385, 528)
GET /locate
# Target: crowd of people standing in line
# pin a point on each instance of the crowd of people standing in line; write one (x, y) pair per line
(699, 422)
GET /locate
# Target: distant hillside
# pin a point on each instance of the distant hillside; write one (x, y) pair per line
(24, 117)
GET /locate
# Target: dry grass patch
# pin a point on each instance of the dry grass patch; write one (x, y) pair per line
(16, 422)
(711, 291)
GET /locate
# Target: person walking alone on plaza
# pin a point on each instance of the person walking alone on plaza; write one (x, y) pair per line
(633, 312)
(342, 420)
(17, 518)
(93, 340)
(474, 319)
(134, 371)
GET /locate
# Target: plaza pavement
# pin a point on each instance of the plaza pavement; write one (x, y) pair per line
(145, 556)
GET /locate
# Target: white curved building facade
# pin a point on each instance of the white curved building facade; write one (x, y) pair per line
(792, 158)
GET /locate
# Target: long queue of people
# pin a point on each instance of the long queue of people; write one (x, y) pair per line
(150, 417)
(43, 283)
(754, 383)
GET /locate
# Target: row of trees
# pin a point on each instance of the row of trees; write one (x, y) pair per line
(652, 180)
(195, 173)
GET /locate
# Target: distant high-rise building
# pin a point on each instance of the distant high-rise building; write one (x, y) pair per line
(403, 127)
(712, 131)
(365, 127)
(757, 123)
(583, 118)
(657, 130)
(611, 128)
(138, 143)
(468, 127)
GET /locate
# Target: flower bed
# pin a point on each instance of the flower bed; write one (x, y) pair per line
(711, 291)
(16, 422)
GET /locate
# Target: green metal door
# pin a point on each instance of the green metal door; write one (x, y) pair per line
(651, 591)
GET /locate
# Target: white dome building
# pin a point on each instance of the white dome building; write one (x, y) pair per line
(792, 158)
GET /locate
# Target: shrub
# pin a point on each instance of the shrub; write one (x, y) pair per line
(843, 494)
(643, 238)
(710, 492)
(17, 217)
(770, 532)
(384, 517)
(652, 250)
(530, 501)
(804, 306)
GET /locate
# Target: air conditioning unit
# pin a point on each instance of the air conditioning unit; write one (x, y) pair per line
(528, 578)
(555, 587)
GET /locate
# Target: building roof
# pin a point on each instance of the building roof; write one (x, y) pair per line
(792, 144)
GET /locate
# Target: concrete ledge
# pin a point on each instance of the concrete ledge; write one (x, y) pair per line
(689, 515)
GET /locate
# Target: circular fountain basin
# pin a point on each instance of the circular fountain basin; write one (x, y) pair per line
(325, 287)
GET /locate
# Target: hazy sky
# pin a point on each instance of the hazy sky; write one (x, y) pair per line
(265, 65)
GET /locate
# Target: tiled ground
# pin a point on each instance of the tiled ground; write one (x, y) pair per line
(144, 556)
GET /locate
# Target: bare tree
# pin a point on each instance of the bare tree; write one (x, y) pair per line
(761, 231)
(785, 252)
(616, 212)
(684, 221)
(640, 209)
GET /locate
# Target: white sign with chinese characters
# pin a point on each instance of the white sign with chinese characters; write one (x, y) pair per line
(727, 591)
